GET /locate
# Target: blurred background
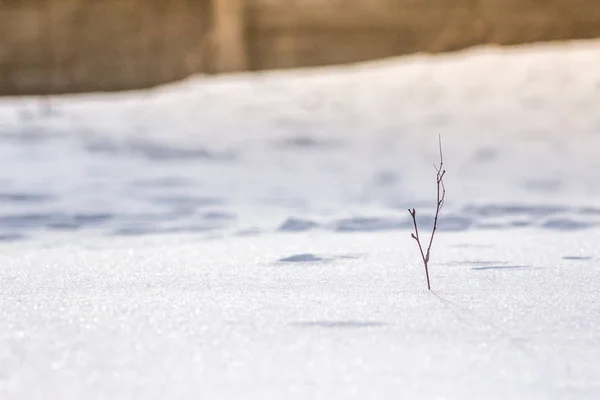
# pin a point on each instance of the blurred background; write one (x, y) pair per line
(240, 117)
(66, 46)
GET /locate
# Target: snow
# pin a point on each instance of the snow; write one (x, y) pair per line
(247, 236)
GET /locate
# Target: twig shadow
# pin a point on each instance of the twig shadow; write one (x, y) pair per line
(303, 258)
(501, 267)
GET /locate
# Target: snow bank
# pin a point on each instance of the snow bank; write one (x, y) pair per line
(247, 236)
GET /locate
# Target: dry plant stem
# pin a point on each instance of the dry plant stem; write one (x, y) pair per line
(441, 194)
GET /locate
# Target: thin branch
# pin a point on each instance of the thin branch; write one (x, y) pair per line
(441, 196)
(416, 234)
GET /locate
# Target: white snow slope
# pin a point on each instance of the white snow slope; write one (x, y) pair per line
(247, 236)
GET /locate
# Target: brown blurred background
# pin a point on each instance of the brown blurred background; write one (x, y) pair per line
(65, 46)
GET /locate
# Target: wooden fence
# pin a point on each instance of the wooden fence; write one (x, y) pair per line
(65, 46)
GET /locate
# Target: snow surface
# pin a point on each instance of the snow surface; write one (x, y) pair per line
(247, 236)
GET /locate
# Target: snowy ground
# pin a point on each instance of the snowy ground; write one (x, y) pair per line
(247, 236)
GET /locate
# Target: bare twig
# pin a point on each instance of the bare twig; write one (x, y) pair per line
(441, 195)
